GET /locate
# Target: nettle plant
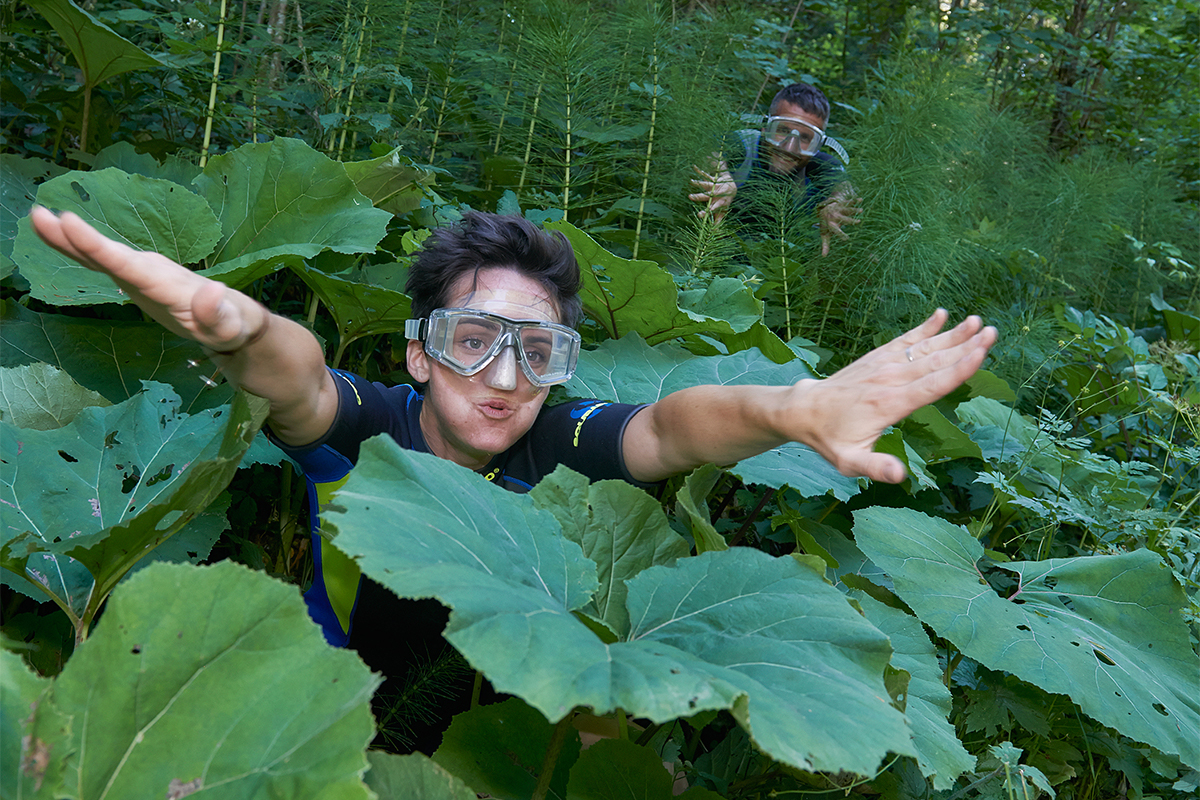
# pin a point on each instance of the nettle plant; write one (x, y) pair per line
(858, 642)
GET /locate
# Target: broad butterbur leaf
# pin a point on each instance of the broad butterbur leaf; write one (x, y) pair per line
(282, 202)
(213, 677)
(499, 749)
(19, 179)
(620, 527)
(617, 769)
(41, 397)
(359, 308)
(413, 777)
(33, 746)
(99, 493)
(940, 754)
(1104, 630)
(629, 371)
(393, 182)
(144, 213)
(111, 358)
(765, 638)
(100, 52)
(641, 297)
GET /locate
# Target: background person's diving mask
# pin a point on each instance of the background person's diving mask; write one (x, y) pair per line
(466, 341)
(794, 136)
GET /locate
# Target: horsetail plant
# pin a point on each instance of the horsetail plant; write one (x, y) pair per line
(362, 30)
(212, 94)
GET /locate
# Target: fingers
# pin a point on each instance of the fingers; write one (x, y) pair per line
(879, 467)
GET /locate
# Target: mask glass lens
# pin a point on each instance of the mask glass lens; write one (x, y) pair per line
(793, 135)
(466, 341)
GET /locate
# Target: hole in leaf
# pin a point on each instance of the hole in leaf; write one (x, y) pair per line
(131, 480)
(1101, 657)
(163, 474)
(1075, 643)
(79, 190)
(137, 648)
(110, 440)
(1022, 627)
(1160, 708)
(1118, 694)
(70, 459)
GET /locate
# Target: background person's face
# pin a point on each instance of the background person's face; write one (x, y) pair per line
(784, 161)
(470, 419)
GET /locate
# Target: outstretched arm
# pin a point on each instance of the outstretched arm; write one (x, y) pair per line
(265, 354)
(841, 417)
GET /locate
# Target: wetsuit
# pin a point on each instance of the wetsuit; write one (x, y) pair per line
(585, 435)
(768, 202)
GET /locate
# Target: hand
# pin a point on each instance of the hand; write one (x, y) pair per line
(717, 190)
(842, 208)
(190, 305)
(842, 416)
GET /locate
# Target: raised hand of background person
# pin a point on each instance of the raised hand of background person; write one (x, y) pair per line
(265, 354)
(717, 190)
(187, 304)
(843, 207)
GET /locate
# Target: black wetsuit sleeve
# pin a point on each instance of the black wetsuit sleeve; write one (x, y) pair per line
(365, 409)
(824, 172)
(585, 436)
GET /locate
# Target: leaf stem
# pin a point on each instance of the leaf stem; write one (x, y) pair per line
(552, 752)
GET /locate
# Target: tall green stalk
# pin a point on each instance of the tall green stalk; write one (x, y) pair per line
(400, 52)
(537, 99)
(511, 82)
(641, 215)
(362, 30)
(212, 94)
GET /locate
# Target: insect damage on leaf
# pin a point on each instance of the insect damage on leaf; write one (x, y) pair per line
(35, 758)
(177, 788)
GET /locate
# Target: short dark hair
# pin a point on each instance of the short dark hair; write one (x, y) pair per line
(809, 98)
(481, 241)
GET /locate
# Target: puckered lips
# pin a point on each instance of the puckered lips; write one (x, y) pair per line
(495, 408)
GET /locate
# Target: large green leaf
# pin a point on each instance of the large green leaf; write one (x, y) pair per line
(42, 397)
(213, 678)
(617, 769)
(393, 182)
(766, 638)
(281, 202)
(499, 750)
(33, 751)
(940, 754)
(101, 492)
(1105, 630)
(124, 156)
(144, 213)
(413, 777)
(691, 508)
(100, 52)
(19, 179)
(641, 297)
(621, 528)
(629, 371)
(360, 309)
(111, 358)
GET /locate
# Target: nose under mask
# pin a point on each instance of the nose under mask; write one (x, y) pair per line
(502, 372)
